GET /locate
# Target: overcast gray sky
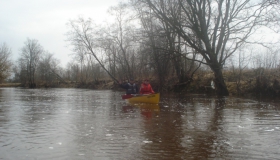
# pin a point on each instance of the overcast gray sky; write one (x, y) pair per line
(45, 20)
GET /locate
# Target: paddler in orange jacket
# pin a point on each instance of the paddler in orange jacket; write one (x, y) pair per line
(146, 88)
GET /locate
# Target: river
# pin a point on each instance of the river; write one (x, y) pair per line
(75, 124)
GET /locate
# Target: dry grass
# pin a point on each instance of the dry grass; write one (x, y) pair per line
(9, 84)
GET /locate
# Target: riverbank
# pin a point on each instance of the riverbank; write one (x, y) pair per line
(255, 87)
(10, 84)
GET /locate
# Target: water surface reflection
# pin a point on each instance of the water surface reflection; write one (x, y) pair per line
(88, 124)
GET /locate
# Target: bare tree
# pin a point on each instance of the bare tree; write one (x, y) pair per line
(215, 29)
(154, 47)
(80, 57)
(167, 49)
(48, 69)
(5, 62)
(121, 33)
(30, 55)
(82, 34)
(238, 65)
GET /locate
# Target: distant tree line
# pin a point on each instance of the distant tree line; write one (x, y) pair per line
(5, 61)
(165, 40)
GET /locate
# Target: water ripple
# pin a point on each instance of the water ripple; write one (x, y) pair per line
(82, 124)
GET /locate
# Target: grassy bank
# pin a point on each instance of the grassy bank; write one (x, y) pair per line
(253, 82)
(10, 85)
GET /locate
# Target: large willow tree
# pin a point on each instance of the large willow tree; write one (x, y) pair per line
(213, 28)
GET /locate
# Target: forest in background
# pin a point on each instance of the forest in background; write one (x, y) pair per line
(181, 46)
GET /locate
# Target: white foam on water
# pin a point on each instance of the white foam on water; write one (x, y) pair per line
(148, 141)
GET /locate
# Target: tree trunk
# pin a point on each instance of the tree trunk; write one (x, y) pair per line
(220, 85)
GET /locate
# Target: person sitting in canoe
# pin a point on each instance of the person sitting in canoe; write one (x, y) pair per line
(146, 88)
(130, 87)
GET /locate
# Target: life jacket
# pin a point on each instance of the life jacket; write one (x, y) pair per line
(146, 89)
(131, 89)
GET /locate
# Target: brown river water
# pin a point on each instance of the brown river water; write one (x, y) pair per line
(73, 124)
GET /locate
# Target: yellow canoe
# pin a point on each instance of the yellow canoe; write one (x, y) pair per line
(145, 98)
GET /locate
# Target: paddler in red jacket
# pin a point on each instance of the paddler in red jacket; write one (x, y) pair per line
(146, 88)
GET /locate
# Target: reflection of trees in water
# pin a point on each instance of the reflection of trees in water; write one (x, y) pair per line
(164, 131)
(186, 128)
(207, 139)
(4, 108)
(203, 129)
